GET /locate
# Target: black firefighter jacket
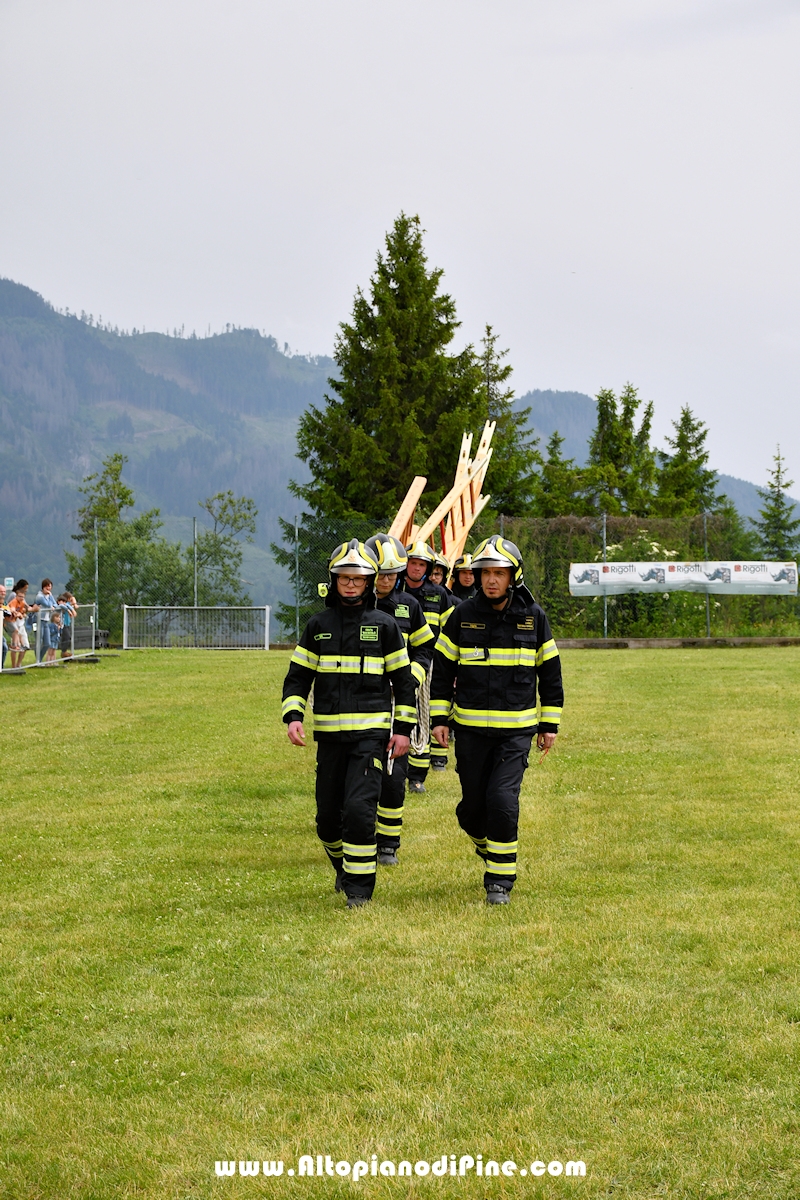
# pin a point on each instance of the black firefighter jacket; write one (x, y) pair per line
(350, 655)
(496, 660)
(417, 633)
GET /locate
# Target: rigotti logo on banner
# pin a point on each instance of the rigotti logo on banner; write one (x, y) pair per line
(719, 578)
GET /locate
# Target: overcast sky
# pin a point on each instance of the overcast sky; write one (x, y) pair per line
(613, 184)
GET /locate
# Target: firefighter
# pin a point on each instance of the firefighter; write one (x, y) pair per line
(355, 656)
(496, 649)
(419, 639)
(436, 605)
(439, 573)
(463, 581)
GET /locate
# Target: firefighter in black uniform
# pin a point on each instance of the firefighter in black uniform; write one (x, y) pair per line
(496, 647)
(436, 604)
(439, 573)
(419, 639)
(463, 582)
(350, 652)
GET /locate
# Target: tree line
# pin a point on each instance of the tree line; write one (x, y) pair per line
(403, 397)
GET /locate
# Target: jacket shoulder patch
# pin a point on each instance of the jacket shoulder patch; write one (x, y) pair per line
(322, 637)
(402, 610)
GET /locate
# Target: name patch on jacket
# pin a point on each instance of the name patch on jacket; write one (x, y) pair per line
(528, 623)
(369, 633)
(471, 625)
(322, 637)
(402, 610)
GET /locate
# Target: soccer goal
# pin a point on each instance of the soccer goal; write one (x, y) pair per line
(172, 628)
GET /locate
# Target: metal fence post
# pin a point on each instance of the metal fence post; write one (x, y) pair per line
(266, 627)
(605, 597)
(124, 627)
(96, 575)
(296, 579)
(705, 551)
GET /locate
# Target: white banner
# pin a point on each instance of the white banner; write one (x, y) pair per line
(718, 578)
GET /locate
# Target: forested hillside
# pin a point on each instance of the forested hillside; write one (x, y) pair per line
(193, 415)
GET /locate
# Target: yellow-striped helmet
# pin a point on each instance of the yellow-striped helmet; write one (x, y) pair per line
(421, 550)
(353, 558)
(442, 562)
(389, 551)
(495, 551)
(462, 563)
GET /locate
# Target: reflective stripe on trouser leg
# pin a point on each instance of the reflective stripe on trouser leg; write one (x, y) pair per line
(418, 764)
(348, 787)
(391, 803)
(480, 846)
(438, 752)
(490, 771)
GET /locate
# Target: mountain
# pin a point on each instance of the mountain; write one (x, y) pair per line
(193, 415)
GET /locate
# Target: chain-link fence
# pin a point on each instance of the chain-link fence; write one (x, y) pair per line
(44, 635)
(549, 546)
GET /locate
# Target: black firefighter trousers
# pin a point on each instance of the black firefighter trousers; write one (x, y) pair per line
(490, 771)
(349, 775)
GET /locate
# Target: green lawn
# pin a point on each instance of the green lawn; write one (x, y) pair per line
(180, 984)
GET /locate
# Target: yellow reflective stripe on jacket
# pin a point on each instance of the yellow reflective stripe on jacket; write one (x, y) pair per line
(305, 658)
(443, 616)
(547, 651)
(418, 671)
(351, 664)
(494, 718)
(421, 636)
(551, 714)
(447, 648)
(496, 656)
(348, 664)
(397, 659)
(293, 704)
(350, 722)
(440, 708)
(404, 712)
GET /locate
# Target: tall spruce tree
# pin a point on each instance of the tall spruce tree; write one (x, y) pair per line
(558, 488)
(686, 486)
(778, 528)
(511, 479)
(622, 469)
(402, 399)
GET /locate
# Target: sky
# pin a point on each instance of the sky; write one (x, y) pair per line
(614, 185)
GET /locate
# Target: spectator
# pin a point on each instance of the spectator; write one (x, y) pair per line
(7, 623)
(20, 609)
(69, 607)
(49, 629)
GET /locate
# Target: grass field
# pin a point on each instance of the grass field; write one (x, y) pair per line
(180, 984)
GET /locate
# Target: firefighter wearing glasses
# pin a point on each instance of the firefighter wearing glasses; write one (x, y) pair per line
(419, 639)
(497, 648)
(436, 604)
(355, 657)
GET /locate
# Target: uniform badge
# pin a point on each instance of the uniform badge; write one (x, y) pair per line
(402, 610)
(369, 633)
(322, 637)
(471, 625)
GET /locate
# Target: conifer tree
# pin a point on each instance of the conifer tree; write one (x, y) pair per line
(621, 472)
(686, 485)
(402, 399)
(777, 529)
(511, 479)
(558, 488)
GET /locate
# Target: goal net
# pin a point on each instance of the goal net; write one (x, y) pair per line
(168, 628)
